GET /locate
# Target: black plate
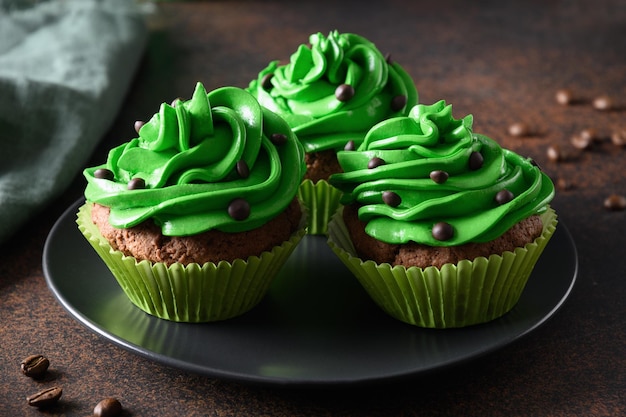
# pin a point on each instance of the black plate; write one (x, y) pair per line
(315, 327)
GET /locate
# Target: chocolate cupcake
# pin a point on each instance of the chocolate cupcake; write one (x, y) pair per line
(196, 215)
(331, 93)
(441, 225)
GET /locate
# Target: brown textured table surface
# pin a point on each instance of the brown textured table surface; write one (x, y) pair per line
(500, 61)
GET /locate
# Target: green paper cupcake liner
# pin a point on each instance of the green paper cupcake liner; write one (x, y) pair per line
(193, 293)
(455, 295)
(321, 200)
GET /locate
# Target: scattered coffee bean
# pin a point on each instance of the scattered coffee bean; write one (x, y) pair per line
(35, 366)
(564, 185)
(239, 209)
(350, 146)
(344, 92)
(278, 138)
(398, 103)
(375, 162)
(439, 176)
(109, 407)
(103, 173)
(136, 184)
(564, 96)
(554, 153)
(266, 81)
(602, 102)
(242, 169)
(615, 202)
(618, 137)
(581, 142)
(475, 161)
(45, 398)
(442, 231)
(504, 196)
(590, 134)
(519, 129)
(391, 199)
(138, 125)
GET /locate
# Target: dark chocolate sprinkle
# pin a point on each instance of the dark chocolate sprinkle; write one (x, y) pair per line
(242, 169)
(375, 162)
(442, 231)
(103, 173)
(138, 125)
(398, 103)
(350, 146)
(504, 196)
(475, 161)
(391, 199)
(344, 92)
(136, 184)
(278, 138)
(239, 209)
(439, 176)
(266, 81)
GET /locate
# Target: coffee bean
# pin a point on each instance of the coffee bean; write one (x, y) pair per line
(602, 102)
(45, 398)
(103, 173)
(554, 153)
(278, 138)
(138, 125)
(350, 146)
(564, 184)
(375, 162)
(239, 209)
(391, 199)
(136, 184)
(564, 96)
(266, 81)
(519, 129)
(442, 231)
(35, 366)
(581, 142)
(242, 169)
(615, 202)
(344, 92)
(590, 134)
(504, 196)
(439, 176)
(109, 407)
(618, 137)
(398, 103)
(475, 161)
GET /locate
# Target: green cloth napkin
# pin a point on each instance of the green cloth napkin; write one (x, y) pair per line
(65, 66)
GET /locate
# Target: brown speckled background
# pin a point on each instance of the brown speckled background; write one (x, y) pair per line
(501, 61)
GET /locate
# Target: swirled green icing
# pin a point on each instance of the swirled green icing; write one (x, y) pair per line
(303, 91)
(187, 155)
(428, 140)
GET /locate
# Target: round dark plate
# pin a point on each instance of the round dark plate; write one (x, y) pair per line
(315, 327)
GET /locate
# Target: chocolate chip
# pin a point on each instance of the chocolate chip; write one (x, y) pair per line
(519, 129)
(242, 169)
(138, 125)
(398, 103)
(391, 199)
(602, 102)
(136, 184)
(344, 92)
(439, 176)
(104, 174)
(615, 202)
(278, 138)
(504, 196)
(564, 96)
(239, 209)
(266, 81)
(554, 153)
(475, 161)
(350, 146)
(442, 231)
(375, 162)
(618, 137)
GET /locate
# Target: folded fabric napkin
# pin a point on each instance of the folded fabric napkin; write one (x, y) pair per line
(65, 66)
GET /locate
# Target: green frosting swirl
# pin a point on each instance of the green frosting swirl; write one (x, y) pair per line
(303, 91)
(195, 158)
(428, 140)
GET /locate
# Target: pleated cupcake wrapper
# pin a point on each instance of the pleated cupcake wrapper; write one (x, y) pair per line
(456, 295)
(191, 293)
(321, 200)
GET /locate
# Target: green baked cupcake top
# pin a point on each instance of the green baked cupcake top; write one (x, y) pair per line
(429, 179)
